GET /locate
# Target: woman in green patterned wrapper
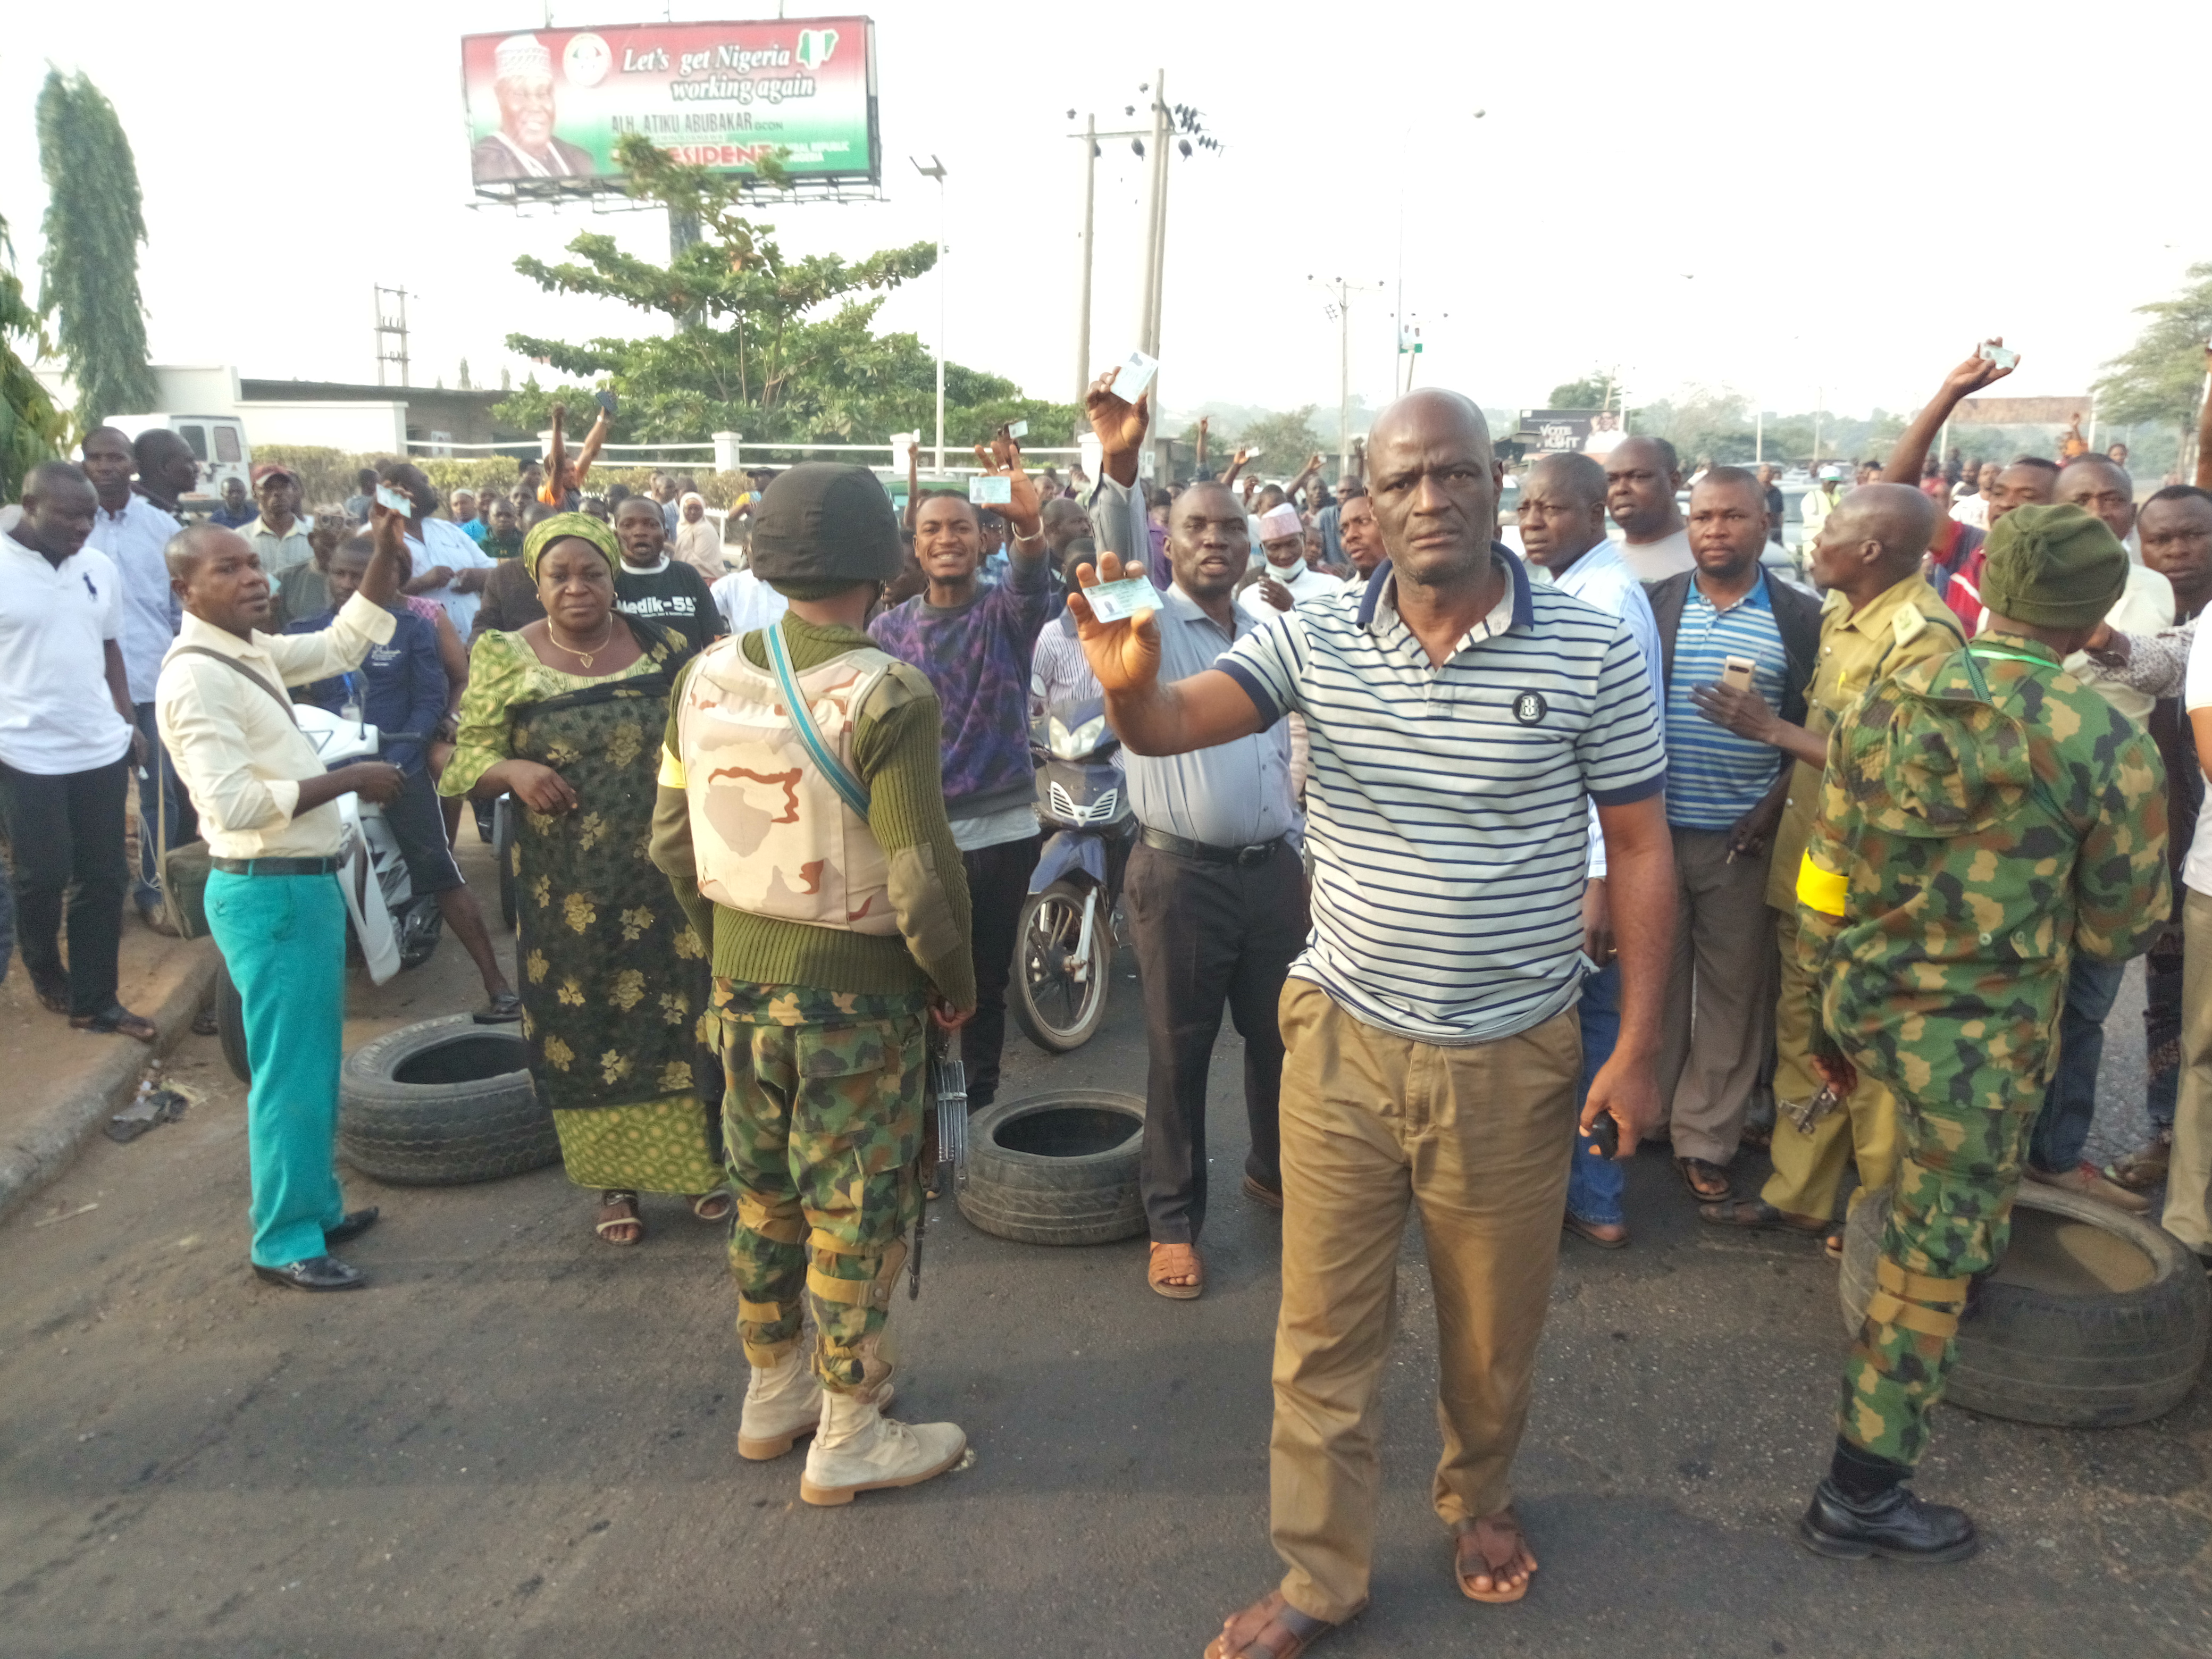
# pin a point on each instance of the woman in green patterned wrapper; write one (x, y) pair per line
(565, 714)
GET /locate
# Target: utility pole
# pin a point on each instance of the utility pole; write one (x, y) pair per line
(1148, 313)
(936, 170)
(395, 327)
(1340, 292)
(1083, 288)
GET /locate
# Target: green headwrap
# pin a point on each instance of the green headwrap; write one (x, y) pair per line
(2055, 566)
(562, 526)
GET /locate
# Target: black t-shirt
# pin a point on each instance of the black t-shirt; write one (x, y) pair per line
(676, 597)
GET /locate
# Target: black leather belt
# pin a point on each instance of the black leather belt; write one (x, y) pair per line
(275, 866)
(1242, 857)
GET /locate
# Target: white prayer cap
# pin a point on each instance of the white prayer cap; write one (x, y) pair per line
(520, 55)
(1277, 522)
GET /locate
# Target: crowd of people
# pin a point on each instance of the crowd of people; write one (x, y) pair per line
(1505, 842)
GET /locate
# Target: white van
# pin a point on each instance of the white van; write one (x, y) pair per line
(218, 443)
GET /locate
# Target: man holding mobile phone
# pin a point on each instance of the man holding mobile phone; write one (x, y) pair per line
(1730, 623)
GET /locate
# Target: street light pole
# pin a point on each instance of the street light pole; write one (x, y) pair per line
(936, 170)
(1155, 222)
(1083, 303)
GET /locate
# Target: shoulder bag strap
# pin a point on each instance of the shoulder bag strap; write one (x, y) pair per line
(238, 667)
(853, 792)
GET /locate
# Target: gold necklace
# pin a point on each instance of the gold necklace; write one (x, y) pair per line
(583, 657)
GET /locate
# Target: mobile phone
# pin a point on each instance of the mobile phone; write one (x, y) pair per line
(1604, 1138)
(1736, 672)
(991, 492)
(398, 501)
(2000, 356)
(606, 400)
(1136, 376)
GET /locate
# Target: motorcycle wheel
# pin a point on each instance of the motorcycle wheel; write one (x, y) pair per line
(230, 1023)
(1055, 1010)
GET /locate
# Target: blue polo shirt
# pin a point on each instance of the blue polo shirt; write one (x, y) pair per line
(1713, 776)
(1448, 806)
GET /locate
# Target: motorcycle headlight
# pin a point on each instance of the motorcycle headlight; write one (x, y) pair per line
(1075, 744)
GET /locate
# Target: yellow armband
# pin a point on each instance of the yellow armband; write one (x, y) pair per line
(1820, 889)
(671, 769)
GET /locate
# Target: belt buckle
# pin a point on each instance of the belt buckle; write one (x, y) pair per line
(1248, 856)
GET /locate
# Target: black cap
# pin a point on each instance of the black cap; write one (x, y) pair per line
(821, 521)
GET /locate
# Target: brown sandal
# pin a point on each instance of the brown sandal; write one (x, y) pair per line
(1176, 1261)
(1487, 1546)
(618, 1215)
(1708, 1183)
(1757, 1215)
(1270, 1628)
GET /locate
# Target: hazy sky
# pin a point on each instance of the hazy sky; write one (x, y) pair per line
(1798, 202)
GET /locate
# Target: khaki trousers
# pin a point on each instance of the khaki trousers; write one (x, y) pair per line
(2188, 1176)
(1808, 1169)
(1720, 995)
(1373, 1125)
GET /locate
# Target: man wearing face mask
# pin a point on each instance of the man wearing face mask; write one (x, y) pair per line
(1285, 580)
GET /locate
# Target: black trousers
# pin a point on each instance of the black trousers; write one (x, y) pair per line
(998, 884)
(66, 835)
(1205, 934)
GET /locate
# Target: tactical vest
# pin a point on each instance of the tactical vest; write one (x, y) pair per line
(770, 835)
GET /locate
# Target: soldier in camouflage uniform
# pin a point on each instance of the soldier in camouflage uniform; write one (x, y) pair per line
(1985, 817)
(816, 855)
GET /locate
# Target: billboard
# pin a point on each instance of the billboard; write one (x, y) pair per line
(1558, 431)
(545, 106)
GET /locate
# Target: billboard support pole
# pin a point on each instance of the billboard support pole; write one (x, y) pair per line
(1083, 288)
(936, 170)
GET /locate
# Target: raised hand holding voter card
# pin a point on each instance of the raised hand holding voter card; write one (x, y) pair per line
(1124, 654)
(1024, 511)
(1121, 426)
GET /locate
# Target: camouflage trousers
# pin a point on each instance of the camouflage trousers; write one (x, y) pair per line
(1950, 1218)
(821, 1120)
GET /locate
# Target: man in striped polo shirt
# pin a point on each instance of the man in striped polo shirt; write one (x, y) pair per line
(1461, 718)
(1723, 805)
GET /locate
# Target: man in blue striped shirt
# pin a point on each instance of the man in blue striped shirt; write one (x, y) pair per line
(1720, 810)
(1462, 719)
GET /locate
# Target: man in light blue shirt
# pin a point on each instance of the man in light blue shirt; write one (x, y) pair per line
(1563, 532)
(1215, 893)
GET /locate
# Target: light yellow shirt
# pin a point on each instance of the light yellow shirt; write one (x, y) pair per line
(242, 757)
(2145, 607)
(278, 554)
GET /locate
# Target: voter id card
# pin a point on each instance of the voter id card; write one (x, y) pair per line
(991, 492)
(1112, 602)
(1136, 376)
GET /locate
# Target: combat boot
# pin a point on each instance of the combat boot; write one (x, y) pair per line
(783, 1404)
(860, 1449)
(1892, 1524)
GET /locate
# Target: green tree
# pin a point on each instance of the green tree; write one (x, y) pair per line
(1593, 391)
(2160, 378)
(31, 428)
(93, 227)
(774, 347)
(1286, 440)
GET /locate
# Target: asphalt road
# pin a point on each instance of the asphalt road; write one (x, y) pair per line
(520, 1441)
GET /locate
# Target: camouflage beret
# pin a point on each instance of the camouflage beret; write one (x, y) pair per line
(2057, 566)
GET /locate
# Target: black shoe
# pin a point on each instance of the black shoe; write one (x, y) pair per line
(357, 1223)
(317, 1272)
(1896, 1526)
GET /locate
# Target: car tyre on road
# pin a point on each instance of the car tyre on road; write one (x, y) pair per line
(1057, 1168)
(2065, 1347)
(443, 1101)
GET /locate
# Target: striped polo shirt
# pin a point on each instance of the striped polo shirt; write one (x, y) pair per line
(1446, 805)
(1713, 776)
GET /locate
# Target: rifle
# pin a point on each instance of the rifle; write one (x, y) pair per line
(944, 1155)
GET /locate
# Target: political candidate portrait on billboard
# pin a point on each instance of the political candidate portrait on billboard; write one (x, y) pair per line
(525, 146)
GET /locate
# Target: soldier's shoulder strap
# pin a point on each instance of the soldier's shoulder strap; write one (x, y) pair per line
(850, 789)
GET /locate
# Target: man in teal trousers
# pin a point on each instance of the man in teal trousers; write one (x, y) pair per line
(269, 811)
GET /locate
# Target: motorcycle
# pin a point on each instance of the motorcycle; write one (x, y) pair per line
(1065, 936)
(393, 927)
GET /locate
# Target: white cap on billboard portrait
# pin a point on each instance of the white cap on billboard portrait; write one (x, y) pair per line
(520, 55)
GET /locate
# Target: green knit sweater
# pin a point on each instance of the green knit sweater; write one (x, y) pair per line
(895, 751)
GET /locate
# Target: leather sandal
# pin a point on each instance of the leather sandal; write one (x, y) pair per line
(1708, 1183)
(1757, 1215)
(618, 1216)
(1270, 1628)
(116, 1021)
(1174, 1261)
(713, 1207)
(1488, 1545)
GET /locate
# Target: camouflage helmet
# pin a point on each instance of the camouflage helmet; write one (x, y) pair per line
(820, 522)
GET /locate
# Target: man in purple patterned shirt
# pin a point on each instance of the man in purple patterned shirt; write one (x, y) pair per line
(974, 643)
